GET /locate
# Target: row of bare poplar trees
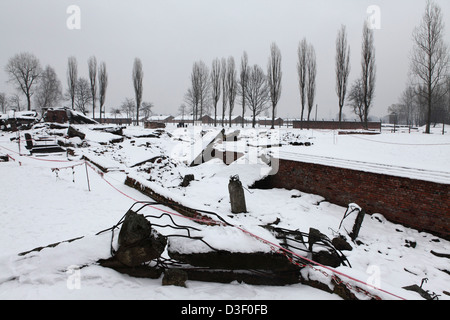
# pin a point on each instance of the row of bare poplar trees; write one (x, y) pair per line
(427, 96)
(254, 88)
(259, 91)
(25, 72)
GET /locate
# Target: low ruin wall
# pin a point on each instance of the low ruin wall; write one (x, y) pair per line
(335, 125)
(418, 204)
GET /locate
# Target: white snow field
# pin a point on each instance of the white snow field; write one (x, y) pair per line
(45, 200)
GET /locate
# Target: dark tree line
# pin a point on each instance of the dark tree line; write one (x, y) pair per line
(25, 72)
(426, 98)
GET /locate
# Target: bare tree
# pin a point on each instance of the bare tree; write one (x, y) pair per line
(49, 90)
(116, 112)
(430, 56)
(342, 67)
(92, 64)
(215, 86)
(231, 86)
(408, 100)
(223, 76)
(72, 78)
(446, 103)
(147, 109)
(243, 79)
(14, 102)
(82, 95)
(192, 97)
(24, 70)
(191, 102)
(182, 110)
(274, 75)
(128, 107)
(137, 77)
(103, 85)
(368, 70)
(311, 68)
(302, 74)
(202, 85)
(200, 82)
(356, 99)
(257, 92)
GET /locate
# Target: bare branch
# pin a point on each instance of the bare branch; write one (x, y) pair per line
(301, 70)
(137, 77)
(243, 79)
(215, 84)
(223, 76)
(342, 67)
(92, 65)
(49, 89)
(368, 73)
(257, 92)
(311, 83)
(231, 85)
(72, 78)
(430, 57)
(24, 70)
(274, 75)
(103, 84)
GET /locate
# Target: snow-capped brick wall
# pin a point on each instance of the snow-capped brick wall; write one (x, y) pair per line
(335, 125)
(419, 204)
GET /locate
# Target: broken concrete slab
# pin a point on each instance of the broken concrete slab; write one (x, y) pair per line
(201, 150)
(102, 163)
(73, 132)
(251, 277)
(138, 241)
(227, 260)
(175, 277)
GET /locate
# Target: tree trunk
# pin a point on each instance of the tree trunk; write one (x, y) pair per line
(243, 112)
(273, 117)
(29, 102)
(301, 119)
(427, 129)
(215, 115)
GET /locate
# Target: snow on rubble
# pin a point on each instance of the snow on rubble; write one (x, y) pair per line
(45, 202)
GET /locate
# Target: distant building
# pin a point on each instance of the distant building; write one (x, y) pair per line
(335, 125)
(268, 122)
(159, 119)
(154, 125)
(64, 115)
(118, 121)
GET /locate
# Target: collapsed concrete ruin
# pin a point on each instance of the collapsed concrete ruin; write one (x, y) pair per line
(144, 252)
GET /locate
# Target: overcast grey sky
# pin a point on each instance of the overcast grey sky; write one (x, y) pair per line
(170, 35)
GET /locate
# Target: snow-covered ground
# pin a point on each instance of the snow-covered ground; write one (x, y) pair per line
(41, 205)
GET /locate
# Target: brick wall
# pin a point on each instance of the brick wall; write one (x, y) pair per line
(334, 125)
(418, 204)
